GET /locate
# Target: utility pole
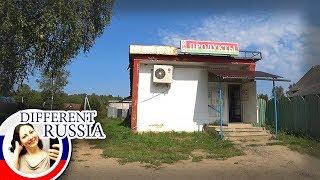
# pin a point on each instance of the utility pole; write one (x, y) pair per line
(275, 108)
(86, 103)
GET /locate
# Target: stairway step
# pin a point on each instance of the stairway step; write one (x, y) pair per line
(240, 134)
(245, 126)
(241, 131)
(255, 129)
(239, 125)
(248, 138)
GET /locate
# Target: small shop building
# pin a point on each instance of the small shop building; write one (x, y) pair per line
(199, 83)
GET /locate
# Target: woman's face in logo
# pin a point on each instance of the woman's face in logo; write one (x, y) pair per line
(28, 137)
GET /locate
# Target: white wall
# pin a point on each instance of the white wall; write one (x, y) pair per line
(119, 105)
(249, 102)
(181, 106)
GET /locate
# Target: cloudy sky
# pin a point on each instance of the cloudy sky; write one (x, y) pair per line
(286, 32)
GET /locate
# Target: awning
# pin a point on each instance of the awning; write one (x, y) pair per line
(236, 74)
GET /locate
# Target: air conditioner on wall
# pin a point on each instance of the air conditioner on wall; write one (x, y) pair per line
(162, 73)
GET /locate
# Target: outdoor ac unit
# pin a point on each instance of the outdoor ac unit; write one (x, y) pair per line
(162, 73)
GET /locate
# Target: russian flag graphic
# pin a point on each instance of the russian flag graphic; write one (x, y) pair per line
(7, 173)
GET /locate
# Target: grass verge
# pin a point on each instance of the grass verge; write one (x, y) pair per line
(303, 145)
(158, 148)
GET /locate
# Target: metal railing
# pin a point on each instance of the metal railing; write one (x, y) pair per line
(249, 55)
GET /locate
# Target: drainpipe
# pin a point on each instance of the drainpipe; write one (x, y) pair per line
(275, 108)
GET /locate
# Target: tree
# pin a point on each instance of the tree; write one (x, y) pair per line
(95, 103)
(30, 98)
(263, 96)
(76, 98)
(51, 85)
(23, 93)
(289, 92)
(46, 35)
(279, 92)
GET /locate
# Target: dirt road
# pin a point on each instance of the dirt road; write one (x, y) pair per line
(260, 162)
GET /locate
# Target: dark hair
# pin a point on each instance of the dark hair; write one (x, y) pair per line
(16, 137)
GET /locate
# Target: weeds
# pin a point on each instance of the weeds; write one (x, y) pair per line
(158, 148)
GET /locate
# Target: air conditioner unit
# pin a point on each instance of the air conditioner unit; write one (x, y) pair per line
(162, 73)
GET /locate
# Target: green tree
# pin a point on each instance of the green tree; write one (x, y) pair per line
(23, 93)
(279, 92)
(95, 102)
(30, 98)
(263, 96)
(52, 84)
(46, 35)
(76, 98)
(289, 92)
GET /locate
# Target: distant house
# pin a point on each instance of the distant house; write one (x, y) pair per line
(118, 108)
(72, 106)
(308, 84)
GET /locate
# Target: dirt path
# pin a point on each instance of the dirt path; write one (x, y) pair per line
(260, 162)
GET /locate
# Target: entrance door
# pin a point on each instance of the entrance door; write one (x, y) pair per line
(119, 113)
(234, 103)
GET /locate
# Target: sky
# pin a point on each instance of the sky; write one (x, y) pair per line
(286, 32)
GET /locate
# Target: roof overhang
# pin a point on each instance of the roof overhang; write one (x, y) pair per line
(174, 51)
(249, 75)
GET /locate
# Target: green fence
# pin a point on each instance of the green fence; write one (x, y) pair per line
(261, 111)
(299, 115)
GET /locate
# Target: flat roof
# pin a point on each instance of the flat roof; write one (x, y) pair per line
(175, 51)
(119, 101)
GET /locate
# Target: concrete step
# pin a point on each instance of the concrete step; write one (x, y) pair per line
(248, 138)
(240, 134)
(241, 131)
(253, 129)
(239, 125)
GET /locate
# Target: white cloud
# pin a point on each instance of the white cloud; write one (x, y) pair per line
(285, 42)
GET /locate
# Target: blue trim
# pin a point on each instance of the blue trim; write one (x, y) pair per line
(1, 143)
(220, 108)
(65, 151)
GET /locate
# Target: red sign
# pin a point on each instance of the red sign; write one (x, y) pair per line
(209, 47)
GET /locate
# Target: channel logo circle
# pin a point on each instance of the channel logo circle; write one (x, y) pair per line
(8, 171)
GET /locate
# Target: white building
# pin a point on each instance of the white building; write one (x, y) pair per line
(184, 95)
(118, 109)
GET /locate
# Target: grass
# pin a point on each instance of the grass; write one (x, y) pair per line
(297, 141)
(197, 158)
(303, 145)
(158, 148)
